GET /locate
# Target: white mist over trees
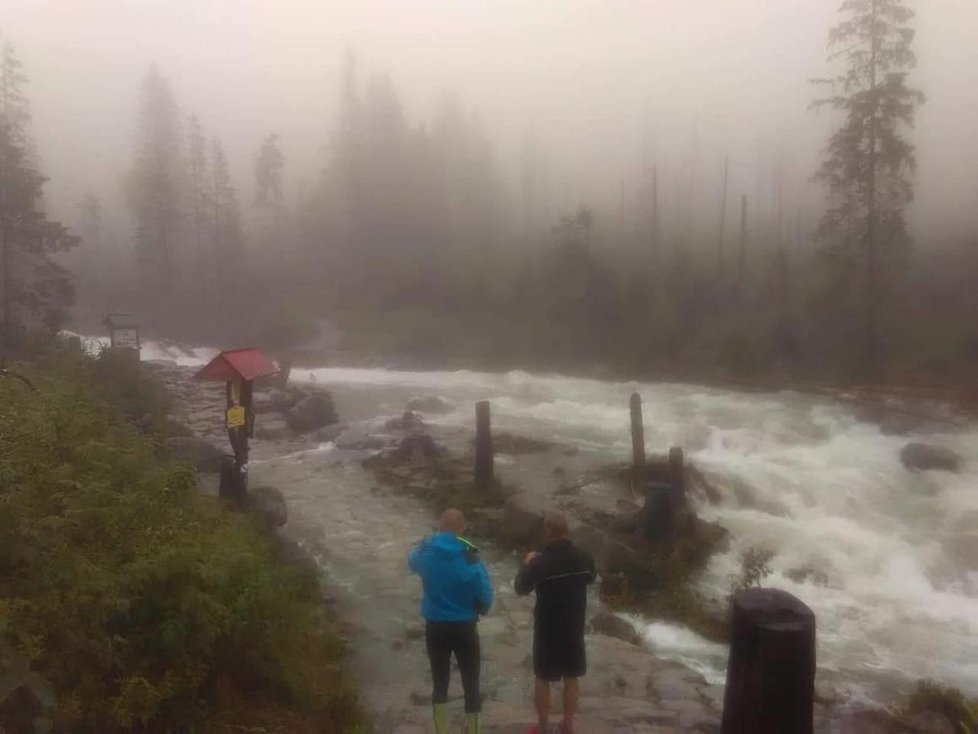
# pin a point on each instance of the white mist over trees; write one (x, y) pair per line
(421, 232)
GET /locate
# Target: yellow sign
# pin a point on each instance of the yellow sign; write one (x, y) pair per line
(236, 416)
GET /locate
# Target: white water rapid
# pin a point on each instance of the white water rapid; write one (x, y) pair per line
(888, 558)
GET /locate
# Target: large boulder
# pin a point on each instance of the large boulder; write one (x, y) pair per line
(311, 413)
(269, 504)
(410, 421)
(925, 457)
(611, 625)
(203, 455)
(417, 447)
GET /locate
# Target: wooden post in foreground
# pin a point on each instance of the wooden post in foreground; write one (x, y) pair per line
(483, 445)
(638, 444)
(771, 669)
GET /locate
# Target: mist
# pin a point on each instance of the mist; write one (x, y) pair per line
(578, 104)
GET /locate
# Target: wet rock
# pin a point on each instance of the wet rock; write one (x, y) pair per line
(926, 457)
(808, 574)
(410, 421)
(269, 503)
(431, 404)
(311, 413)
(611, 625)
(417, 447)
(203, 455)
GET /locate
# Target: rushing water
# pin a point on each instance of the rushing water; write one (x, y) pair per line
(890, 554)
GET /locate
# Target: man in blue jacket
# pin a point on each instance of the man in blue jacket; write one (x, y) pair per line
(456, 591)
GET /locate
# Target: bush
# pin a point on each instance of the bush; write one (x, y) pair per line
(932, 697)
(138, 601)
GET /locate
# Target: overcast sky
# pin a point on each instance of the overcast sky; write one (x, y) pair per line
(602, 83)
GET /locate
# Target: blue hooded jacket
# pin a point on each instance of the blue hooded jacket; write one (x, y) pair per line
(456, 583)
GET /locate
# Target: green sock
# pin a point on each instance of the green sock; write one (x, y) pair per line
(472, 725)
(440, 714)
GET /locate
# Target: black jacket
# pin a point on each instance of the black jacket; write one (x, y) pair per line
(560, 576)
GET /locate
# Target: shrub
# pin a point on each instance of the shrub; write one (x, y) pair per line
(140, 602)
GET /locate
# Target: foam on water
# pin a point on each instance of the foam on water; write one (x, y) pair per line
(885, 557)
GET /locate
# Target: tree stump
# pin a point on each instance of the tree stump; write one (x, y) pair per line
(771, 669)
(483, 446)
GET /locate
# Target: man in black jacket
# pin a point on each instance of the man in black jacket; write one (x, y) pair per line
(560, 576)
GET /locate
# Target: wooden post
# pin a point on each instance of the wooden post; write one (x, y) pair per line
(638, 442)
(771, 669)
(483, 445)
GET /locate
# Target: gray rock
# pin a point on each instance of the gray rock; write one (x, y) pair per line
(431, 404)
(408, 422)
(418, 447)
(203, 455)
(311, 413)
(925, 457)
(611, 625)
(270, 504)
(801, 574)
(329, 433)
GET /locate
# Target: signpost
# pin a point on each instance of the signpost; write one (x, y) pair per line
(123, 331)
(238, 369)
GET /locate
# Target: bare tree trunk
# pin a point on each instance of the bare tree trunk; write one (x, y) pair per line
(655, 217)
(871, 356)
(723, 222)
(742, 255)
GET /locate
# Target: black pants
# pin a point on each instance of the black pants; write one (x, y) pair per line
(462, 639)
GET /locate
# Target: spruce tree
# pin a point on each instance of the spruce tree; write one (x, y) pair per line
(869, 162)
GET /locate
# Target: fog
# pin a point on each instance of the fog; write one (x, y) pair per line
(608, 85)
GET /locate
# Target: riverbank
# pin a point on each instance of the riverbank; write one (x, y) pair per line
(130, 601)
(359, 530)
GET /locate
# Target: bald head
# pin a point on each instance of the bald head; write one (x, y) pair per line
(555, 525)
(453, 521)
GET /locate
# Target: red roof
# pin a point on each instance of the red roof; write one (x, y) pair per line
(238, 364)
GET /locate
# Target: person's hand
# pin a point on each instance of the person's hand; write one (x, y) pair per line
(530, 556)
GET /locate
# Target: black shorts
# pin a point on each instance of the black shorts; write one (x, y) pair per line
(558, 657)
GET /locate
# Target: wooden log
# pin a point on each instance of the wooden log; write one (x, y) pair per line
(483, 445)
(771, 669)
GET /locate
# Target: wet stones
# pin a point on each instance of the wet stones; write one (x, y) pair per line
(311, 413)
(611, 625)
(928, 457)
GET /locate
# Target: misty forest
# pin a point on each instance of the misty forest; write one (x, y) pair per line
(760, 222)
